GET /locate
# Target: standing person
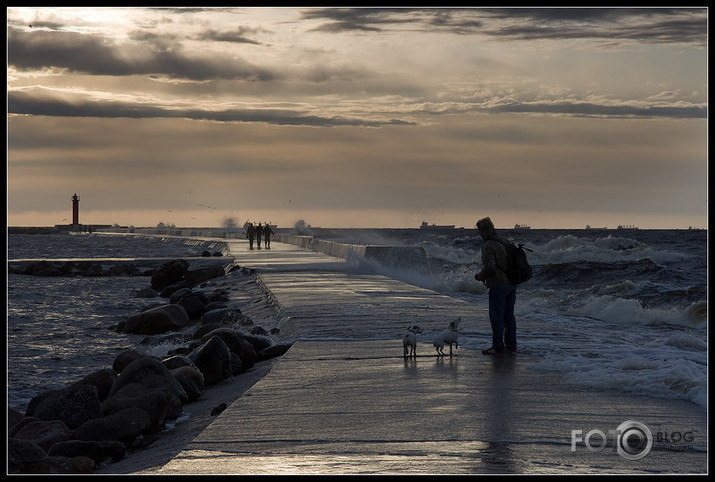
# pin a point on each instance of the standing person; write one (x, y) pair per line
(259, 231)
(502, 293)
(251, 233)
(267, 231)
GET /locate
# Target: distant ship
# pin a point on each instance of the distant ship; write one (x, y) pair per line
(521, 227)
(588, 226)
(424, 225)
(627, 226)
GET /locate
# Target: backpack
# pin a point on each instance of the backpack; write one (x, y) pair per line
(518, 269)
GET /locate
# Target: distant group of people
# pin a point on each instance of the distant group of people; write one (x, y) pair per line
(258, 232)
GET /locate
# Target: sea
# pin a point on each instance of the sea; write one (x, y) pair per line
(607, 309)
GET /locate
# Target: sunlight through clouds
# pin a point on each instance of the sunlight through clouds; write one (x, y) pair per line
(564, 112)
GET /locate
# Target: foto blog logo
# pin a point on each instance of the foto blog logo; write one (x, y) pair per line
(633, 440)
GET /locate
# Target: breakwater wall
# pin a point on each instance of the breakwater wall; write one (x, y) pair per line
(411, 258)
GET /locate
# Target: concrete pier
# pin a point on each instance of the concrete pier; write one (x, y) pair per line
(339, 405)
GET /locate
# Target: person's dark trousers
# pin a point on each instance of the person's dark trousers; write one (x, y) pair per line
(501, 316)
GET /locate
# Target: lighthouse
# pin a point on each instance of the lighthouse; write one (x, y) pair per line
(75, 211)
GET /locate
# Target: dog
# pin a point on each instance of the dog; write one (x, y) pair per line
(409, 341)
(450, 337)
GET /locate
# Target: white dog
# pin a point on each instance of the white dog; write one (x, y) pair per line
(448, 337)
(409, 340)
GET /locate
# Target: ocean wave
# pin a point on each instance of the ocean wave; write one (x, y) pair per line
(611, 249)
(631, 311)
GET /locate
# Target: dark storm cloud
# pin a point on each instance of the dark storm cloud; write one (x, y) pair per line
(671, 25)
(47, 105)
(88, 54)
(663, 25)
(597, 110)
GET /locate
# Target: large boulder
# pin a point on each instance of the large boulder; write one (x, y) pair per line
(148, 384)
(191, 380)
(124, 426)
(98, 451)
(125, 358)
(177, 361)
(199, 275)
(236, 343)
(169, 273)
(213, 359)
(73, 405)
(23, 453)
(194, 303)
(158, 320)
(178, 294)
(102, 380)
(45, 433)
(226, 316)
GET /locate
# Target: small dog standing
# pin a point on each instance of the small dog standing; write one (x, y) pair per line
(449, 337)
(409, 341)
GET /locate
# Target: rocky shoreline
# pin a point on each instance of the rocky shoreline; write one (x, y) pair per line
(223, 327)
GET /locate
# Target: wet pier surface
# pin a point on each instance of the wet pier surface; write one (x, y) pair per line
(338, 405)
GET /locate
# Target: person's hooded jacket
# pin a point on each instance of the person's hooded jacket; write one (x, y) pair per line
(494, 257)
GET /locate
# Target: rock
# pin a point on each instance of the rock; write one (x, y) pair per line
(146, 293)
(122, 270)
(194, 303)
(258, 342)
(199, 275)
(148, 384)
(45, 433)
(177, 361)
(171, 289)
(13, 417)
(158, 320)
(87, 268)
(204, 329)
(214, 305)
(236, 364)
(178, 294)
(226, 316)
(191, 380)
(61, 465)
(169, 273)
(273, 351)
(147, 371)
(98, 451)
(125, 358)
(20, 425)
(213, 359)
(73, 405)
(102, 380)
(45, 268)
(237, 343)
(22, 453)
(123, 426)
(219, 408)
(219, 295)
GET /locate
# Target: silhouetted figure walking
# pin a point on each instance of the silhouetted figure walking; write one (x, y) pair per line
(250, 233)
(267, 231)
(259, 231)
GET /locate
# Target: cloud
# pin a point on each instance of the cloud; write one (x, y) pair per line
(663, 25)
(48, 104)
(88, 54)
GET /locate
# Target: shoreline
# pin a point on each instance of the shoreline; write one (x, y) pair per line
(155, 449)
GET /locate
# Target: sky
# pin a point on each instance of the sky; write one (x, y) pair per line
(358, 117)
